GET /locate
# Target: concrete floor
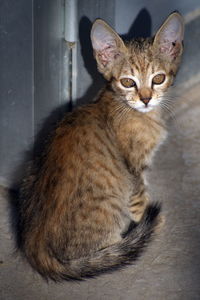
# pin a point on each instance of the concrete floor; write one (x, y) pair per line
(170, 268)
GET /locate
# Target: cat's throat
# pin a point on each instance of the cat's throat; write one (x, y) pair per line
(138, 135)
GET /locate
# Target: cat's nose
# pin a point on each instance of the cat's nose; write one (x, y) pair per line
(145, 94)
(145, 100)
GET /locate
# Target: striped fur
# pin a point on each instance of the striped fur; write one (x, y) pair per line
(83, 205)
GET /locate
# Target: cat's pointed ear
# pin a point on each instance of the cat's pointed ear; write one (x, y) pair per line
(108, 46)
(168, 40)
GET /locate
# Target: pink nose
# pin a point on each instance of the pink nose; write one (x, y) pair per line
(145, 100)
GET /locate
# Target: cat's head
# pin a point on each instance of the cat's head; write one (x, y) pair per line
(142, 70)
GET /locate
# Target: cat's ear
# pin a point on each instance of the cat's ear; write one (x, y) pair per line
(168, 40)
(108, 46)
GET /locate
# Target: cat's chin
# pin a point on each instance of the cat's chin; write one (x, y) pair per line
(145, 109)
(140, 107)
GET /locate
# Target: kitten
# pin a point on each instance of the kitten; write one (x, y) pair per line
(84, 207)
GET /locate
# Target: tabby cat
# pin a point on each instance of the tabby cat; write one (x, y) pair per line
(84, 209)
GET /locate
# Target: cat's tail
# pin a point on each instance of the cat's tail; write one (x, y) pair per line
(108, 259)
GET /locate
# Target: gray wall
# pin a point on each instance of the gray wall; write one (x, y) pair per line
(31, 81)
(16, 83)
(127, 11)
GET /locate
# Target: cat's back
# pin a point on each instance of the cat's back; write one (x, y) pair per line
(81, 146)
(81, 133)
(84, 142)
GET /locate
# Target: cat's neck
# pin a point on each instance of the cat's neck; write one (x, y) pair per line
(136, 134)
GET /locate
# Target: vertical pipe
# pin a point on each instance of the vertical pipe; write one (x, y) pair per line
(70, 36)
(71, 21)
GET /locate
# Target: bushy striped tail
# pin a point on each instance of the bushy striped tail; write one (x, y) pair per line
(109, 259)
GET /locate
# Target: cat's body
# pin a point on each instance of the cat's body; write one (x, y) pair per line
(84, 195)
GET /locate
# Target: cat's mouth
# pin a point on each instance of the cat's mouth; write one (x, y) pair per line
(141, 107)
(145, 109)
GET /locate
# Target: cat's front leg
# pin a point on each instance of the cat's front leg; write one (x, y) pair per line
(139, 200)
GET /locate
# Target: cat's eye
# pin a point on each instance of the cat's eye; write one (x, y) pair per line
(158, 79)
(128, 82)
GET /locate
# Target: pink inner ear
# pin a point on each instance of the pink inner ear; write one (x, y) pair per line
(170, 38)
(107, 54)
(173, 30)
(104, 44)
(170, 48)
(101, 37)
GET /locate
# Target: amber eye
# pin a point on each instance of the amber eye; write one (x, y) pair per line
(158, 79)
(128, 82)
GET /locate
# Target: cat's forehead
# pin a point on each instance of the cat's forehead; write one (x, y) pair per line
(140, 45)
(141, 58)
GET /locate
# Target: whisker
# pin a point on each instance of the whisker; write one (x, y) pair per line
(120, 112)
(171, 114)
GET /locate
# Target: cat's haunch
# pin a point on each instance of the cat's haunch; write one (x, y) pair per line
(84, 208)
